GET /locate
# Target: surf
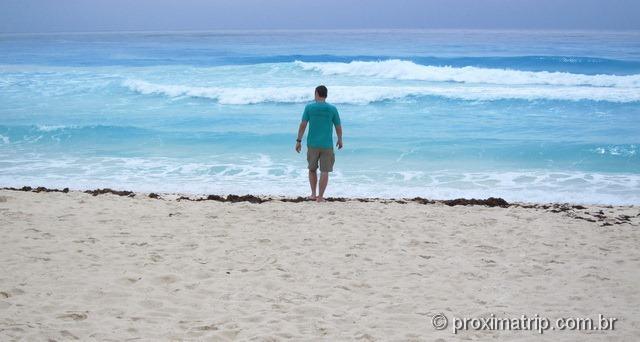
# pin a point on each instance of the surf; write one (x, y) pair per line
(363, 95)
(407, 70)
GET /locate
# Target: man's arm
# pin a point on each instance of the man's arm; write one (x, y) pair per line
(339, 133)
(338, 125)
(301, 129)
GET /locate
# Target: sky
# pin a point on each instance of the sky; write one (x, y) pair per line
(154, 15)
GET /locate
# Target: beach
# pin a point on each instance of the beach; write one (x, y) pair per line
(479, 171)
(79, 266)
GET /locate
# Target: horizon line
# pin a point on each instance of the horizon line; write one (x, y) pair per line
(529, 30)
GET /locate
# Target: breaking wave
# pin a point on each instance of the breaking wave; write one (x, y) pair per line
(370, 94)
(407, 70)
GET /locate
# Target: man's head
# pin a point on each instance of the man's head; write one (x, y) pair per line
(321, 93)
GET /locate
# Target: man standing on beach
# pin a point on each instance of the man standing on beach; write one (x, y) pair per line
(321, 118)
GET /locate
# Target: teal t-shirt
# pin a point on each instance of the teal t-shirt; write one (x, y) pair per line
(321, 117)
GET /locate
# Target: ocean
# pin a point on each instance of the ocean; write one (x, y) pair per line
(536, 116)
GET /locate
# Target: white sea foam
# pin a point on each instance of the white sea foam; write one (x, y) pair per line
(51, 128)
(407, 70)
(617, 150)
(5, 140)
(369, 94)
(221, 94)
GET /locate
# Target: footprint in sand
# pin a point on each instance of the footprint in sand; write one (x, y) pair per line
(488, 249)
(156, 257)
(207, 327)
(168, 279)
(73, 316)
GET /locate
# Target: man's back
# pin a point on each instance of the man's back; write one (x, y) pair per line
(321, 117)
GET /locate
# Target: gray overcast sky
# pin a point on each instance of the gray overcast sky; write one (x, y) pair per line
(126, 15)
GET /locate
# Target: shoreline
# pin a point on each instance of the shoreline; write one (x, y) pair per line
(261, 198)
(590, 212)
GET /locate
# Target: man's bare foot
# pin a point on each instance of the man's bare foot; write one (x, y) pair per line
(319, 199)
(312, 197)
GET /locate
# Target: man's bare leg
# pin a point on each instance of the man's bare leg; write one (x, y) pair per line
(324, 179)
(313, 180)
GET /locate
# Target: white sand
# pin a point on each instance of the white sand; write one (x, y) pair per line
(76, 266)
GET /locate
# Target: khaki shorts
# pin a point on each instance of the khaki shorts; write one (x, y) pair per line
(325, 156)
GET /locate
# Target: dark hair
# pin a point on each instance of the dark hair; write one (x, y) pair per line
(322, 91)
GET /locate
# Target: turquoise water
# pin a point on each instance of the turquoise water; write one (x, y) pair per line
(528, 116)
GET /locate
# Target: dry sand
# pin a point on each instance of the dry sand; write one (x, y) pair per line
(76, 266)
